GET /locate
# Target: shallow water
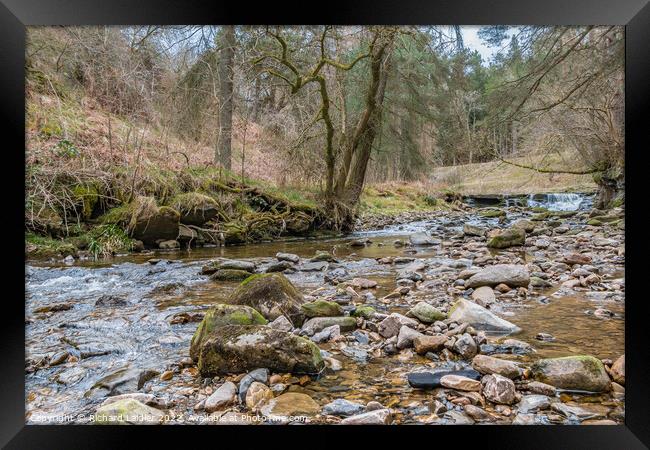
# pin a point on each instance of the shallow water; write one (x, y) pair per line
(139, 334)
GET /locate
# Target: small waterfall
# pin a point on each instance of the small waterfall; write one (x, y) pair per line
(557, 202)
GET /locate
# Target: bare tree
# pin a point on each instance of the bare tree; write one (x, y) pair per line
(226, 75)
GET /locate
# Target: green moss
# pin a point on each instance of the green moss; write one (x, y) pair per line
(230, 275)
(37, 246)
(222, 315)
(191, 201)
(88, 196)
(491, 213)
(367, 312)
(321, 308)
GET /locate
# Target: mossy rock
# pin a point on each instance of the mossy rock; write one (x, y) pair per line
(238, 349)
(145, 221)
(222, 315)
(491, 213)
(273, 295)
(88, 197)
(367, 312)
(580, 373)
(426, 313)
(508, 238)
(234, 233)
(541, 216)
(321, 308)
(230, 275)
(322, 256)
(195, 208)
(595, 222)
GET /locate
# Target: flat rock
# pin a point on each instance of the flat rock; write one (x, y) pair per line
(431, 380)
(460, 383)
(376, 417)
(489, 365)
(480, 318)
(511, 274)
(342, 407)
(224, 396)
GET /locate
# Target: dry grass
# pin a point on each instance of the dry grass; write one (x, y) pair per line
(500, 178)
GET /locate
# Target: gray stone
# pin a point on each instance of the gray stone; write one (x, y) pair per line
(480, 318)
(510, 274)
(376, 417)
(342, 407)
(224, 396)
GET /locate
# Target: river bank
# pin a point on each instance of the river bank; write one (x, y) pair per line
(100, 329)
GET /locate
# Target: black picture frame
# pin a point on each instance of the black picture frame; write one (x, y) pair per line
(15, 15)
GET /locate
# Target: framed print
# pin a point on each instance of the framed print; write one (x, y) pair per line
(380, 215)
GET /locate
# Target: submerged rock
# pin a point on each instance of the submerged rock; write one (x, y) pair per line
(422, 239)
(582, 373)
(342, 407)
(480, 318)
(122, 381)
(272, 295)
(222, 315)
(236, 349)
(375, 417)
(290, 404)
(431, 380)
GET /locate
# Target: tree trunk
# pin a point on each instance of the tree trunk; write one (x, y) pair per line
(611, 191)
(352, 172)
(226, 73)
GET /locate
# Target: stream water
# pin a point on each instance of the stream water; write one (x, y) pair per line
(139, 334)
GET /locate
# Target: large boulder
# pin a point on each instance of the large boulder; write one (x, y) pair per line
(195, 208)
(480, 318)
(508, 238)
(513, 275)
(237, 348)
(580, 373)
(128, 411)
(150, 223)
(220, 316)
(273, 295)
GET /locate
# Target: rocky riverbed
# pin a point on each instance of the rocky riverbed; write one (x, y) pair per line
(495, 315)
